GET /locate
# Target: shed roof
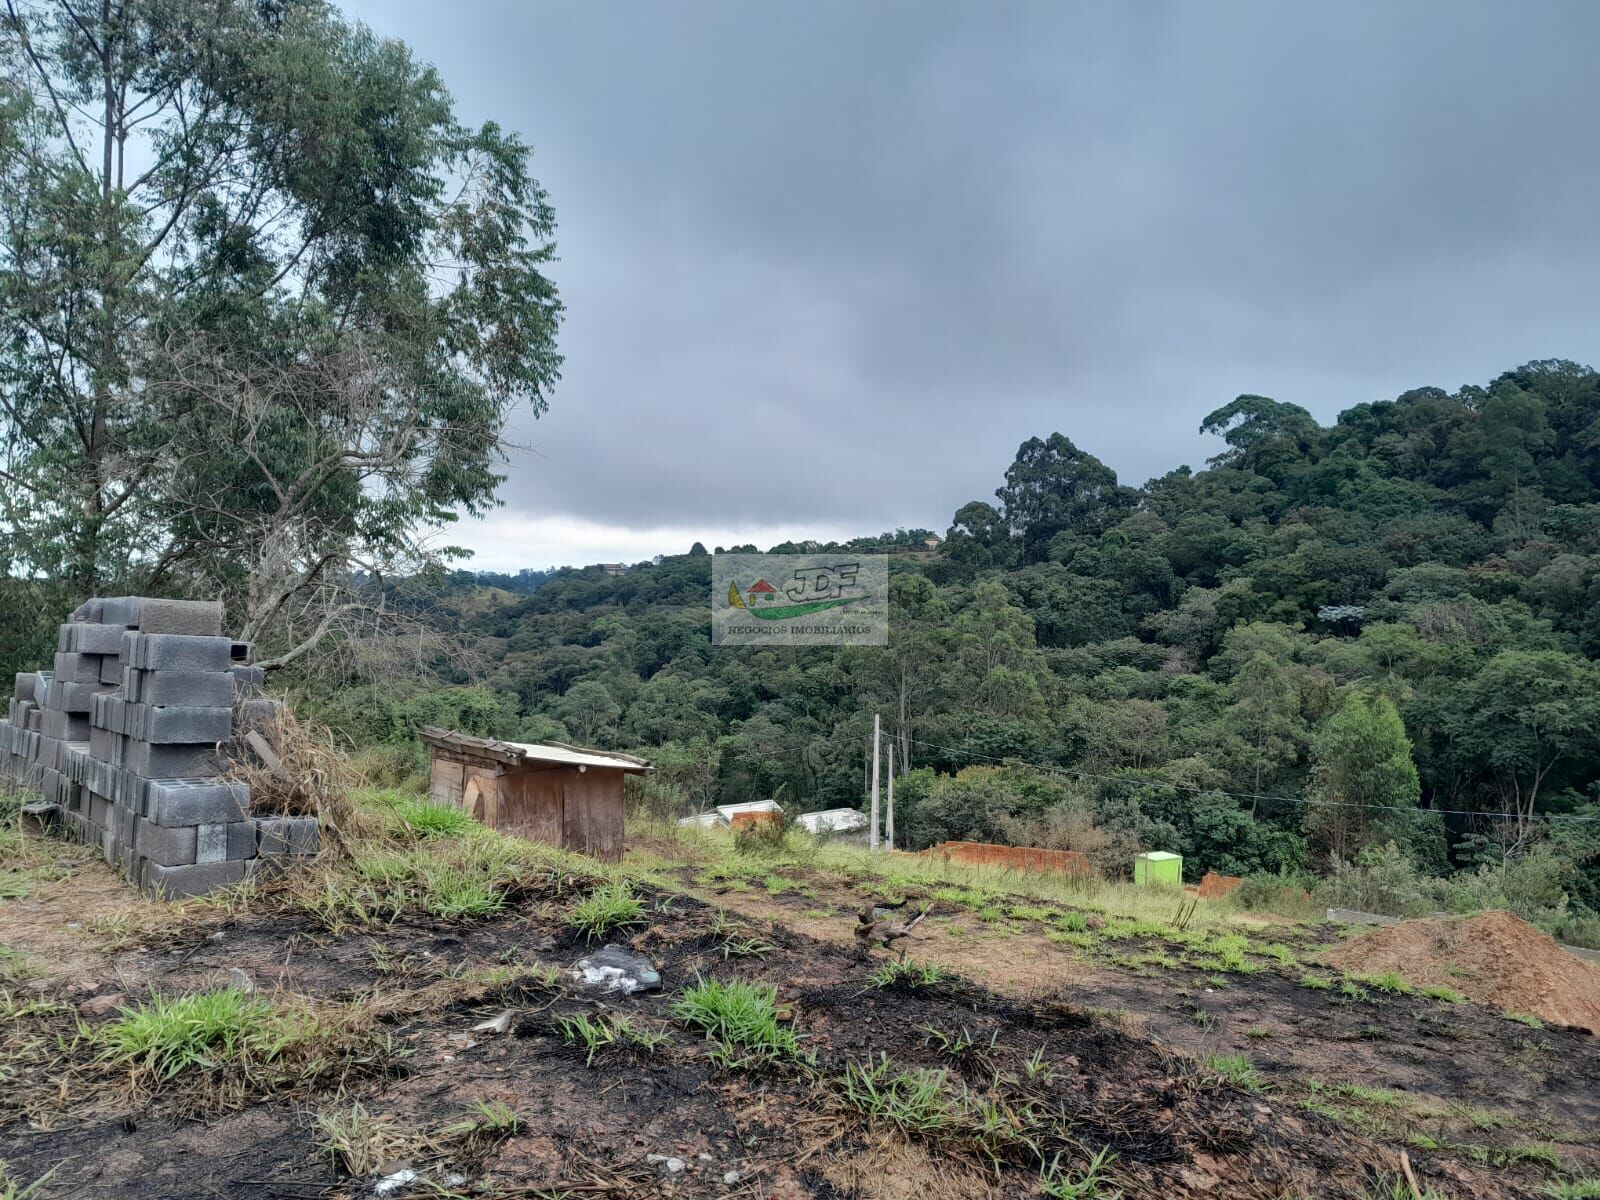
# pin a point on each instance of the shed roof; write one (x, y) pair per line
(516, 753)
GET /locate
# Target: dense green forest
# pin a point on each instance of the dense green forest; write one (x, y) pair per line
(1331, 640)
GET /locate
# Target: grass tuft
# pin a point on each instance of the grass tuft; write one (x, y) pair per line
(1060, 1183)
(598, 1035)
(610, 907)
(738, 1014)
(907, 975)
(167, 1036)
(1237, 1070)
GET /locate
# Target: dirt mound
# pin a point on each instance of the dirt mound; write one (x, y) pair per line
(1495, 958)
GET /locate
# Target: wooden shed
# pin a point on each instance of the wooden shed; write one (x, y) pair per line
(549, 792)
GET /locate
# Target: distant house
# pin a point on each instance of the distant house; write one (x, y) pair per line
(723, 816)
(762, 592)
(614, 568)
(843, 823)
(933, 542)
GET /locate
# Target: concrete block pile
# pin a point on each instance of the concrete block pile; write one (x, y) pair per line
(125, 741)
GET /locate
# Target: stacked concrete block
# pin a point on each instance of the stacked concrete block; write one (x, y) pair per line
(124, 737)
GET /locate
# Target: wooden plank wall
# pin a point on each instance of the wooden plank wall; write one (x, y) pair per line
(559, 806)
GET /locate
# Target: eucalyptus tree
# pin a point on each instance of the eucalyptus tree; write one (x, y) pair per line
(267, 303)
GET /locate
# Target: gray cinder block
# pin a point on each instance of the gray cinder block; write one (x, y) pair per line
(168, 761)
(197, 802)
(197, 689)
(92, 639)
(110, 669)
(121, 610)
(89, 611)
(77, 668)
(168, 724)
(168, 845)
(241, 839)
(201, 618)
(272, 837)
(195, 880)
(175, 652)
(211, 843)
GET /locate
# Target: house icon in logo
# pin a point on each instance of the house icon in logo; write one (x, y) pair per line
(762, 592)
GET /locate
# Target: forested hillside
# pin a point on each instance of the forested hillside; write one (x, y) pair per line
(1327, 640)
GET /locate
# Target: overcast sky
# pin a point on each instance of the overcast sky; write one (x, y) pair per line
(828, 264)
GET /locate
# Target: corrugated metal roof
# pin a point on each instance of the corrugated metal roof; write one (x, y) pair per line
(558, 753)
(573, 757)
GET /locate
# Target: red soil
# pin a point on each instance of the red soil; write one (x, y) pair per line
(1495, 958)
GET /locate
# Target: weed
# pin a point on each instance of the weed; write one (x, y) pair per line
(607, 908)
(1073, 922)
(1574, 1189)
(1237, 1070)
(953, 1045)
(1060, 1183)
(1035, 1069)
(1528, 1019)
(607, 1033)
(426, 818)
(1437, 991)
(361, 1141)
(911, 1101)
(1351, 990)
(1258, 1032)
(907, 975)
(1320, 983)
(165, 1037)
(739, 1014)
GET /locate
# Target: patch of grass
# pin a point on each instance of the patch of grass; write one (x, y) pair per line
(1389, 982)
(911, 1101)
(1030, 912)
(442, 877)
(167, 1036)
(1084, 941)
(607, 908)
(1437, 991)
(1319, 983)
(739, 1014)
(1380, 1096)
(1072, 922)
(16, 966)
(597, 1035)
(1059, 1182)
(1574, 1189)
(1237, 1070)
(1258, 1032)
(1351, 990)
(907, 974)
(1528, 1019)
(425, 818)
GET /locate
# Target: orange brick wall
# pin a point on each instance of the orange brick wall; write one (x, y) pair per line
(1214, 886)
(753, 818)
(1016, 858)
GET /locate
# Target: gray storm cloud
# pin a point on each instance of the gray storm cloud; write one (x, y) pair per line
(881, 244)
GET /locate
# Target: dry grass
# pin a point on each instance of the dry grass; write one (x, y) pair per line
(316, 779)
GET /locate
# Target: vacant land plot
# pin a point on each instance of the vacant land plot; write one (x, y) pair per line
(406, 1020)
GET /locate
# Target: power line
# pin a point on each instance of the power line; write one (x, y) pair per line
(1080, 773)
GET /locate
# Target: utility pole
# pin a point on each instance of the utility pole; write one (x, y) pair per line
(888, 836)
(877, 753)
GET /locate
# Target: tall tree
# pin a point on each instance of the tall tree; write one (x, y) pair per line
(1361, 768)
(1053, 487)
(268, 303)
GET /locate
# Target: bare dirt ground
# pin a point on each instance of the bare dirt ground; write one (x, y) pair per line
(1049, 1053)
